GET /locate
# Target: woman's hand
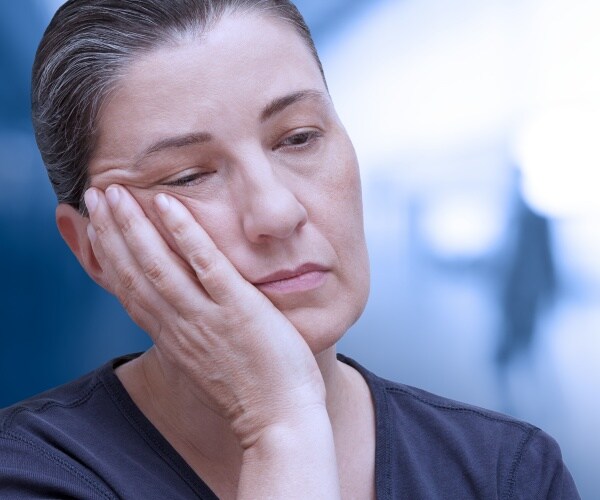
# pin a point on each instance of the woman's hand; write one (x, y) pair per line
(245, 359)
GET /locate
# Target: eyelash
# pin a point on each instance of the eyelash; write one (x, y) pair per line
(188, 180)
(308, 135)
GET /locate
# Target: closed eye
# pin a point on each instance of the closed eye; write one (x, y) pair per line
(189, 180)
(300, 140)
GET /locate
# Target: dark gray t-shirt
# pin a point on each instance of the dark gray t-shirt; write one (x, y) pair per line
(88, 440)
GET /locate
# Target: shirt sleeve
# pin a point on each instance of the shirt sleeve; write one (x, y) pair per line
(539, 472)
(31, 472)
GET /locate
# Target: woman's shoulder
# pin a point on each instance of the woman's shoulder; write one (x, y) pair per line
(429, 444)
(42, 438)
(418, 407)
(49, 403)
(62, 402)
(87, 439)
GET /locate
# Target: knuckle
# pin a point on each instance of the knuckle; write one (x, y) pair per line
(211, 272)
(155, 271)
(205, 266)
(179, 230)
(127, 225)
(101, 229)
(128, 279)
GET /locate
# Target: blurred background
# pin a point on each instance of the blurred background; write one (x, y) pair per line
(476, 126)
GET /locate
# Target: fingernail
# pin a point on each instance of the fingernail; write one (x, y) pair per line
(162, 202)
(112, 196)
(91, 233)
(91, 199)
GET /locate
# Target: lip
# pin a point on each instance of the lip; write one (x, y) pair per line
(305, 277)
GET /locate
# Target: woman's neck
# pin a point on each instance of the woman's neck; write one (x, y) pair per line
(204, 439)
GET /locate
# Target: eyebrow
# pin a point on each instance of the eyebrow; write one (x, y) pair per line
(276, 106)
(280, 103)
(178, 141)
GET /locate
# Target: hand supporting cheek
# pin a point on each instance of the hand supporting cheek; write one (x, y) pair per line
(243, 357)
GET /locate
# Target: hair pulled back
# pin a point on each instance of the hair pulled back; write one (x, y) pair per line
(85, 51)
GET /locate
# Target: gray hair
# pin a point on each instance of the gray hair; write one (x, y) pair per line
(84, 52)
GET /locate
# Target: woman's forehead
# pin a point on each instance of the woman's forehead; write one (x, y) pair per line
(225, 78)
(242, 56)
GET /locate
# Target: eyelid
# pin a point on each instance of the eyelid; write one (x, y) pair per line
(311, 134)
(186, 178)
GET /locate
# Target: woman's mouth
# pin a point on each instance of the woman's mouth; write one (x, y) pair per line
(304, 278)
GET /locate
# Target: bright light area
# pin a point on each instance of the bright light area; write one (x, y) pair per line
(463, 225)
(413, 77)
(557, 144)
(559, 152)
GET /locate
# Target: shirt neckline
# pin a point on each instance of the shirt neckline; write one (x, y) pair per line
(150, 434)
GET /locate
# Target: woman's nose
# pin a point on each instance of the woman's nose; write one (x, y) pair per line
(272, 210)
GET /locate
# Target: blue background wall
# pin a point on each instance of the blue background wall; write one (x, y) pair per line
(472, 123)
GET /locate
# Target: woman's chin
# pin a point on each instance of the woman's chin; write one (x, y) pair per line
(321, 330)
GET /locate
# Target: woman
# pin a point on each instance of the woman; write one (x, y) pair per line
(205, 179)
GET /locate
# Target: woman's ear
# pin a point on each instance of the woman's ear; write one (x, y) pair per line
(73, 228)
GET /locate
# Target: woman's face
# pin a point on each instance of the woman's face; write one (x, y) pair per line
(238, 125)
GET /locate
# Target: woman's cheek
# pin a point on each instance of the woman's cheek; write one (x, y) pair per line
(218, 218)
(342, 167)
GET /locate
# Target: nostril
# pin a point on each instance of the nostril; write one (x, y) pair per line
(274, 216)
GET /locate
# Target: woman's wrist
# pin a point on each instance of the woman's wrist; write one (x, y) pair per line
(292, 459)
(269, 422)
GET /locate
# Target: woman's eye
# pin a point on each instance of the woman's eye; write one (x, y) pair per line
(299, 140)
(188, 180)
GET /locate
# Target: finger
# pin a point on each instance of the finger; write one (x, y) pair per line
(217, 275)
(139, 314)
(165, 270)
(126, 279)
